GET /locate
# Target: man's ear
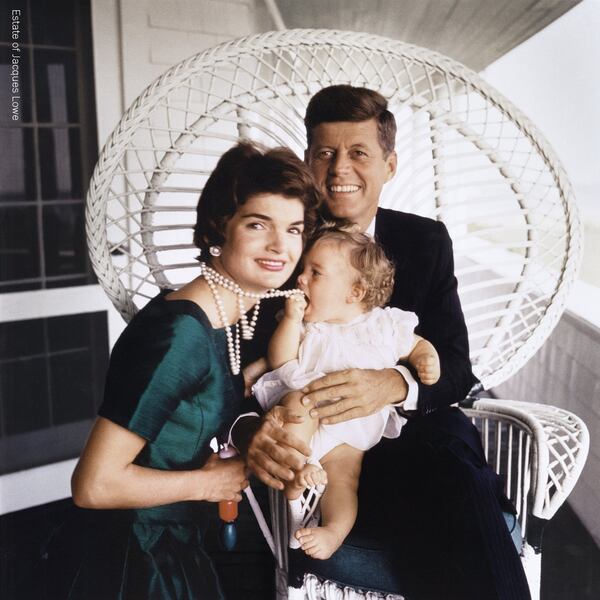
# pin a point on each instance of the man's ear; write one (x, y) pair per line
(391, 164)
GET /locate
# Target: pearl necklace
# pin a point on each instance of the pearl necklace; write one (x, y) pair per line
(214, 279)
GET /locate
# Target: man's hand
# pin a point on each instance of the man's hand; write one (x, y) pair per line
(353, 393)
(274, 454)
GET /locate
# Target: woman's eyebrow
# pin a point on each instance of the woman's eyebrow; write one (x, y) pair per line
(256, 216)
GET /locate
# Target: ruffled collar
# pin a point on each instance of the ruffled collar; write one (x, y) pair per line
(323, 326)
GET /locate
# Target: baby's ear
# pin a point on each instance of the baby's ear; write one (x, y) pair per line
(357, 292)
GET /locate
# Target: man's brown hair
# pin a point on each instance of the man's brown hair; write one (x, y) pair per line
(348, 103)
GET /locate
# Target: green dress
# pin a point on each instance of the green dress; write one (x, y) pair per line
(169, 382)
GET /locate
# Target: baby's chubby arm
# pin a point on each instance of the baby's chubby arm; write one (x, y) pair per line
(426, 361)
(285, 341)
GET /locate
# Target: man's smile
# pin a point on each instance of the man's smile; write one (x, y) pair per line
(343, 189)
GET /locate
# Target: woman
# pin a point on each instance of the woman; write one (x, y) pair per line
(174, 383)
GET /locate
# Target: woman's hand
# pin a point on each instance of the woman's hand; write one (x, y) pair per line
(107, 477)
(273, 453)
(294, 308)
(222, 479)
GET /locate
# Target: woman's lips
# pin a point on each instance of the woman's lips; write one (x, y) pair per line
(271, 265)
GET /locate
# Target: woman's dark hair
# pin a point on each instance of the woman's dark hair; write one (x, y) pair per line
(348, 103)
(245, 171)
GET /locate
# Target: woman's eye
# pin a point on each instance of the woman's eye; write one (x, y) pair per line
(256, 226)
(295, 230)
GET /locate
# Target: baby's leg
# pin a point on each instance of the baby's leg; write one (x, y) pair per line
(310, 474)
(339, 503)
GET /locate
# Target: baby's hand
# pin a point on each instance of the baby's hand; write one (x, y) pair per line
(427, 365)
(294, 308)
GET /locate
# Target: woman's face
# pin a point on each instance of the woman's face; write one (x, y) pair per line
(263, 242)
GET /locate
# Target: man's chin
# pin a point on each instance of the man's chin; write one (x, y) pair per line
(339, 210)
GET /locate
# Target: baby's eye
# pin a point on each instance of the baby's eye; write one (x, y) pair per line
(315, 273)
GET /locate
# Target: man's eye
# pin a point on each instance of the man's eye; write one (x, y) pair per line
(325, 154)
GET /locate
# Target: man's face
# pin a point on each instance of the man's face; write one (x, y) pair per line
(350, 168)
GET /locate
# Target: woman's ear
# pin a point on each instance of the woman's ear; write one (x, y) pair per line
(357, 293)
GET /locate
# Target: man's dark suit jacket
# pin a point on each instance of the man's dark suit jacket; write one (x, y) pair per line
(425, 284)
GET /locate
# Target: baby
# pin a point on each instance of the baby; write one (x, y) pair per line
(346, 279)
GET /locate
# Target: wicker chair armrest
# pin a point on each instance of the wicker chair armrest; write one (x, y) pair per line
(560, 444)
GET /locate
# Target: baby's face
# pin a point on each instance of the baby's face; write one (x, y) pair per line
(328, 280)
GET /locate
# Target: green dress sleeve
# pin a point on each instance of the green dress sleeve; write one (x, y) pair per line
(159, 361)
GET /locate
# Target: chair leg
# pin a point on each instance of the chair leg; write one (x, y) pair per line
(532, 565)
(532, 555)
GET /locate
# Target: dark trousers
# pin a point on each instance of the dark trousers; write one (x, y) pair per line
(432, 496)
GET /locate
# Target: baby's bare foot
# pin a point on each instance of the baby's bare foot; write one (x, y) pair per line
(319, 542)
(309, 476)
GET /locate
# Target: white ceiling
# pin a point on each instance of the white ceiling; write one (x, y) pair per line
(474, 32)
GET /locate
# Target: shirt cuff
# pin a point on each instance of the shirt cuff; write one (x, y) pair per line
(229, 437)
(412, 396)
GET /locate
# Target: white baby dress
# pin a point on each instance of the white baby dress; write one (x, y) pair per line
(374, 340)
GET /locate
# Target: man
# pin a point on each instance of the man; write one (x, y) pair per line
(428, 494)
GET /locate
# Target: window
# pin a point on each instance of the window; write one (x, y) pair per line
(45, 50)
(51, 369)
(51, 380)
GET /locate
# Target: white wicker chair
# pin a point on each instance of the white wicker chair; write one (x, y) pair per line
(466, 155)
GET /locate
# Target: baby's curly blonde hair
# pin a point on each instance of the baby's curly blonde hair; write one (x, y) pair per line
(374, 268)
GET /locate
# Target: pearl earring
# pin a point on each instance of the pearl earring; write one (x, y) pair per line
(215, 250)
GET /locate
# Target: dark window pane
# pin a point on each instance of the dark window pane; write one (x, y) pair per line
(17, 173)
(24, 393)
(64, 239)
(16, 25)
(60, 163)
(56, 86)
(22, 338)
(71, 387)
(19, 257)
(53, 22)
(69, 333)
(15, 89)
